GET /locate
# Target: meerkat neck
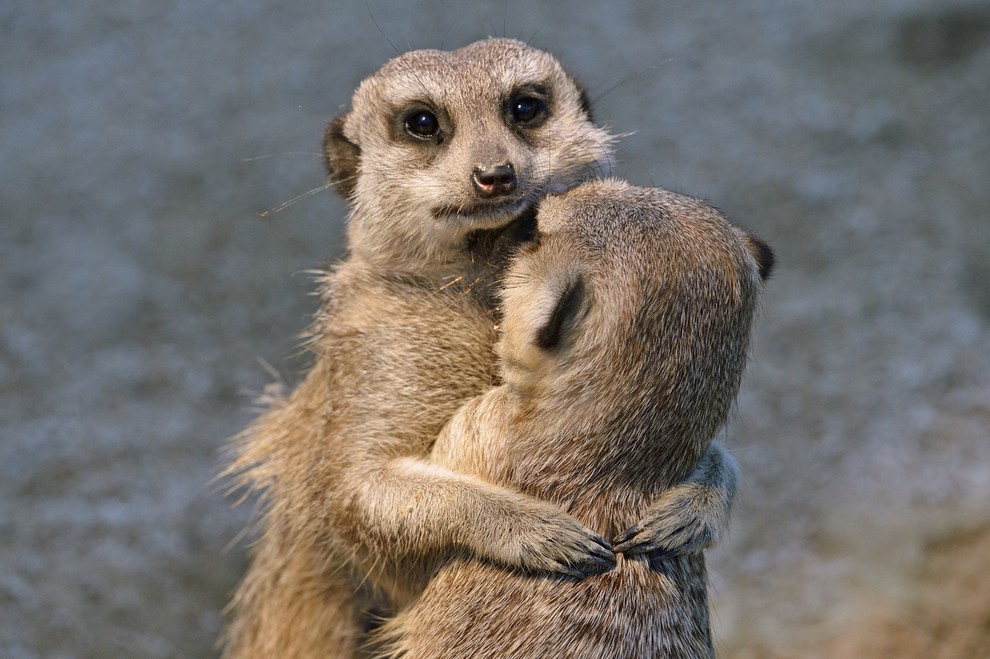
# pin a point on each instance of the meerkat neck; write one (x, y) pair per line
(387, 246)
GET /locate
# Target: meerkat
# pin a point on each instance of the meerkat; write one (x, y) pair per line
(442, 157)
(625, 332)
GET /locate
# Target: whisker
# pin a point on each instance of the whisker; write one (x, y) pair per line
(529, 42)
(380, 31)
(284, 153)
(285, 204)
(600, 95)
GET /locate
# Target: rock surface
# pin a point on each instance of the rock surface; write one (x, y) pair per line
(142, 296)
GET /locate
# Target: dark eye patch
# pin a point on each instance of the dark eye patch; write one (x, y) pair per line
(528, 107)
(420, 123)
(564, 314)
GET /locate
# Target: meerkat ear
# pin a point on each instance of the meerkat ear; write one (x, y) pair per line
(761, 252)
(583, 95)
(567, 308)
(342, 157)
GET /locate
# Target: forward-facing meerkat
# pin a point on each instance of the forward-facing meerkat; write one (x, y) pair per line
(438, 153)
(625, 332)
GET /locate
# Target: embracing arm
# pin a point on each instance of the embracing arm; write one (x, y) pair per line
(410, 507)
(690, 516)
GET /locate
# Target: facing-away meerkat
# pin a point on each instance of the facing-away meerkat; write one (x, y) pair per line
(625, 332)
(438, 153)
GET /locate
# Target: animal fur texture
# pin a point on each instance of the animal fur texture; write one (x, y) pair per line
(442, 156)
(625, 334)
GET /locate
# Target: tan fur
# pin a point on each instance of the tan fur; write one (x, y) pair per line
(611, 396)
(353, 513)
(355, 517)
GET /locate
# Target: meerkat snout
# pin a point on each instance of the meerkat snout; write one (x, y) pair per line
(437, 145)
(494, 181)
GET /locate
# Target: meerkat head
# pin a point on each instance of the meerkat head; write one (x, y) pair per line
(632, 303)
(439, 144)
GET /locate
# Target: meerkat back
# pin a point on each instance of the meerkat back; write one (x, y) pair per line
(624, 339)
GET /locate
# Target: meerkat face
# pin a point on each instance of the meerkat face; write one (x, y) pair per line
(438, 144)
(632, 299)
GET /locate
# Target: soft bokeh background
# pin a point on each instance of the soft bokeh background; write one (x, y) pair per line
(141, 292)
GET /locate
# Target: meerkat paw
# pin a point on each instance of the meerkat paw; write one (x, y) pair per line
(689, 517)
(679, 523)
(556, 544)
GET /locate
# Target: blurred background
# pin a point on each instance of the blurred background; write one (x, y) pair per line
(144, 299)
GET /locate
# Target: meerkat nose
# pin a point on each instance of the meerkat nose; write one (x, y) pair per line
(494, 180)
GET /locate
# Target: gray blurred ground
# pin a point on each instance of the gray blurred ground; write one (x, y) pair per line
(140, 291)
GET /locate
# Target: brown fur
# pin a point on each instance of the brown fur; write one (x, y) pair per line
(625, 335)
(353, 512)
(355, 516)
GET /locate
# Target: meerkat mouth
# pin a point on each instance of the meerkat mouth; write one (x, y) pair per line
(507, 210)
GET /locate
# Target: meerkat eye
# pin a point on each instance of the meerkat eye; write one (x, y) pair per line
(422, 124)
(527, 108)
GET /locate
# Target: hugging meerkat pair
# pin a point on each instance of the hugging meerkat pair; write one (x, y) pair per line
(443, 157)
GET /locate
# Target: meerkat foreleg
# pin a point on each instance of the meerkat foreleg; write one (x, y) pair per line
(690, 516)
(425, 509)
